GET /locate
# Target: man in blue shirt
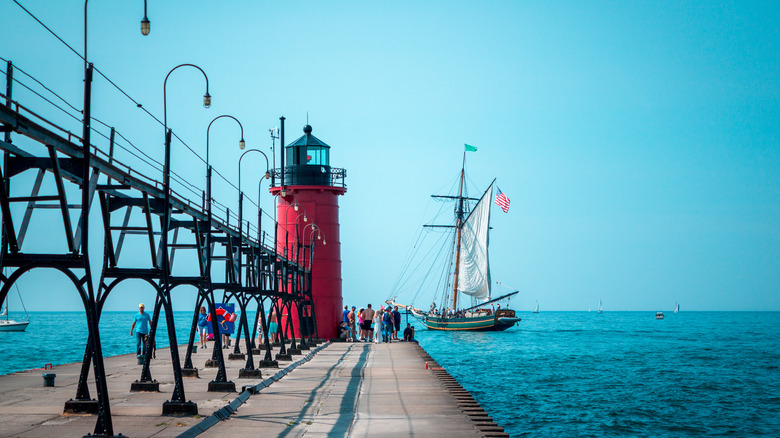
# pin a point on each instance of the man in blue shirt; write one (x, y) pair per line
(140, 329)
(345, 315)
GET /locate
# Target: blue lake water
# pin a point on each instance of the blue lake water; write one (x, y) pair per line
(555, 373)
(60, 337)
(623, 373)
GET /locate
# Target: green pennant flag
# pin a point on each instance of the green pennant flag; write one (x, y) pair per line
(470, 148)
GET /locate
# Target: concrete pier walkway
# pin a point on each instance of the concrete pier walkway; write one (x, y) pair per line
(356, 390)
(345, 389)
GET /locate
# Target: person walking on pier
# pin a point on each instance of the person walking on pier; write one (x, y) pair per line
(377, 325)
(387, 325)
(259, 331)
(273, 329)
(140, 329)
(351, 316)
(360, 324)
(203, 323)
(345, 315)
(368, 319)
(396, 322)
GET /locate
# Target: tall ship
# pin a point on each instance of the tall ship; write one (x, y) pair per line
(466, 302)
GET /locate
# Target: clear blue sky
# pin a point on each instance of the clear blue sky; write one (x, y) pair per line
(638, 141)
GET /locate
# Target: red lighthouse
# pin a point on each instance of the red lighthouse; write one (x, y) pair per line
(308, 210)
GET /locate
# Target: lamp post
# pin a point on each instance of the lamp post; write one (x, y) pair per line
(295, 222)
(167, 164)
(286, 281)
(259, 190)
(179, 386)
(104, 425)
(315, 229)
(309, 310)
(241, 145)
(295, 206)
(299, 271)
(259, 216)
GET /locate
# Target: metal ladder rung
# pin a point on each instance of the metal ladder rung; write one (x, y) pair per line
(113, 187)
(183, 245)
(155, 233)
(128, 229)
(33, 198)
(55, 206)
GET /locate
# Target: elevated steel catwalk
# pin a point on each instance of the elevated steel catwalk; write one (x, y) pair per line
(252, 271)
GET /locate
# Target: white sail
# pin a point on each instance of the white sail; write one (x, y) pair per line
(474, 268)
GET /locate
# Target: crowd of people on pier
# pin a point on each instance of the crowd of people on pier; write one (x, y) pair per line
(369, 325)
(357, 325)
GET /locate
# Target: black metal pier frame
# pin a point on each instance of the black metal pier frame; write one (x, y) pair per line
(253, 271)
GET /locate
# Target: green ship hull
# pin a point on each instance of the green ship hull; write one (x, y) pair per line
(502, 320)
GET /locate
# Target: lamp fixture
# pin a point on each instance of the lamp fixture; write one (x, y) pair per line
(242, 144)
(207, 100)
(146, 26)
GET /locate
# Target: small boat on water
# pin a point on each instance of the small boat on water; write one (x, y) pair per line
(9, 325)
(599, 311)
(659, 315)
(676, 307)
(536, 309)
(469, 280)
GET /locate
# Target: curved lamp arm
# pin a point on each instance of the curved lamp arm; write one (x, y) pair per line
(241, 143)
(267, 169)
(206, 97)
(314, 228)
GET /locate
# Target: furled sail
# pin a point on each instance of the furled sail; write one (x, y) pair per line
(474, 269)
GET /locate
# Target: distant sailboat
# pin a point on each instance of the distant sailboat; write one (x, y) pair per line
(9, 325)
(599, 311)
(676, 307)
(536, 309)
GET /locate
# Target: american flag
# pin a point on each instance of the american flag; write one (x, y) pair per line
(502, 201)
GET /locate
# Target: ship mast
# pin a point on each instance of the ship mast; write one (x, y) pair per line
(457, 240)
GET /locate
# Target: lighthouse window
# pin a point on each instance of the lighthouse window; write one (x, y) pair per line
(317, 156)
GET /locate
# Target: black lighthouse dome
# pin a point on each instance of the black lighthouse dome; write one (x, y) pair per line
(308, 162)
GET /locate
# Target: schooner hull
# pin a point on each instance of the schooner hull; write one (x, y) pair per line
(476, 324)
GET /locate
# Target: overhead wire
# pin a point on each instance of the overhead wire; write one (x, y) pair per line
(148, 160)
